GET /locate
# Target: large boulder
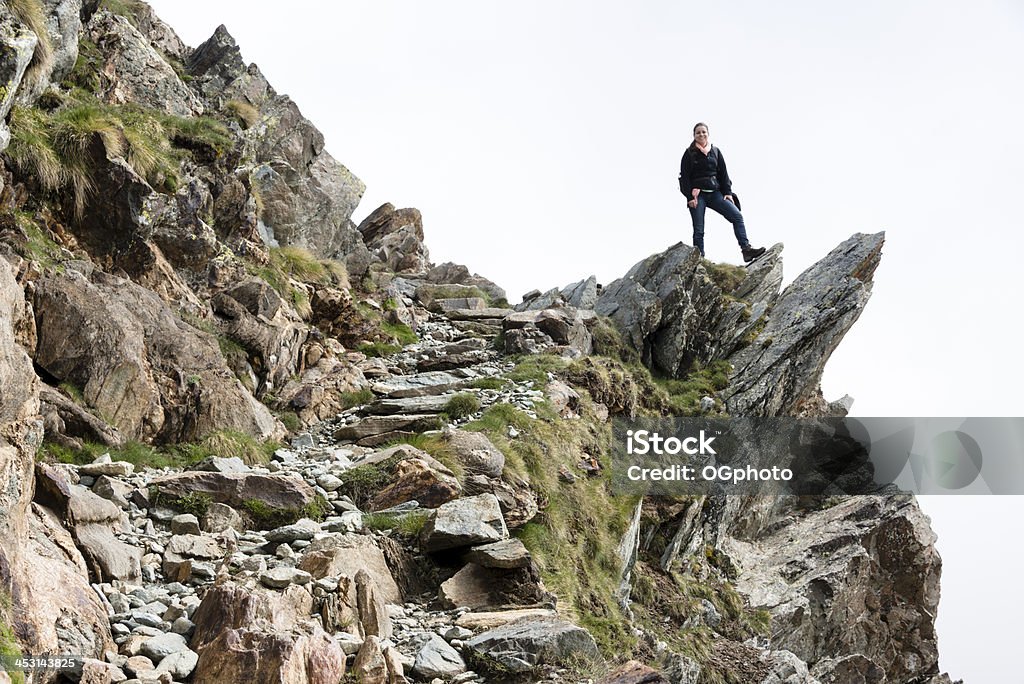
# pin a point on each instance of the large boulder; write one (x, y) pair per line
(435, 658)
(549, 330)
(633, 672)
(241, 656)
(244, 635)
(252, 314)
(150, 374)
(524, 645)
(235, 489)
(477, 587)
(395, 238)
(449, 273)
(464, 522)
(423, 480)
(476, 452)
(178, 225)
(347, 555)
(94, 522)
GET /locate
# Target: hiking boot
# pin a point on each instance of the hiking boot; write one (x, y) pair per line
(751, 253)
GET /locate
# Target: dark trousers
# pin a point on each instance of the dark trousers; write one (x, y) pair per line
(718, 203)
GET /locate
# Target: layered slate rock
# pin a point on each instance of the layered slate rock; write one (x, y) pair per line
(234, 489)
(669, 310)
(869, 556)
(528, 643)
(782, 367)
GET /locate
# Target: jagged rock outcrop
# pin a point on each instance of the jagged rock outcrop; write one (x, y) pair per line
(869, 557)
(782, 367)
(582, 295)
(307, 197)
(670, 310)
(133, 71)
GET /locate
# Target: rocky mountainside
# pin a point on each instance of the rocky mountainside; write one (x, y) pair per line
(245, 440)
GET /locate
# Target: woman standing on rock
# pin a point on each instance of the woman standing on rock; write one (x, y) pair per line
(704, 180)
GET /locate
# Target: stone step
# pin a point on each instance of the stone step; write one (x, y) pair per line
(431, 403)
(424, 384)
(453, 361)
(377, 430)
(487, 329)
(489, 313)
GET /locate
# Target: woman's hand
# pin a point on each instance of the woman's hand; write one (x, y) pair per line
(729, 197)
(692, 204)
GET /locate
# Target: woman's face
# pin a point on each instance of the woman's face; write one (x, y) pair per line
(701, 135)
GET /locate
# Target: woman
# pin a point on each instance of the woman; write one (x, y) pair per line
(704, 180)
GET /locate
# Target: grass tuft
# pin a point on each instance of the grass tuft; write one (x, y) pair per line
(462, 405)
(246, 113)
(129, 9)
(357, 398)
(406, 525)
(536, 368)
(726, 276)
(684, 394)
(268, 517)
(225, 443)
(59, 148)
(379, 349)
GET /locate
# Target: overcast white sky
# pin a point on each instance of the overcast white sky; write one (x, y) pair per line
(541, 141)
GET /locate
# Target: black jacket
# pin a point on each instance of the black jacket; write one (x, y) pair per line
(705, 172)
